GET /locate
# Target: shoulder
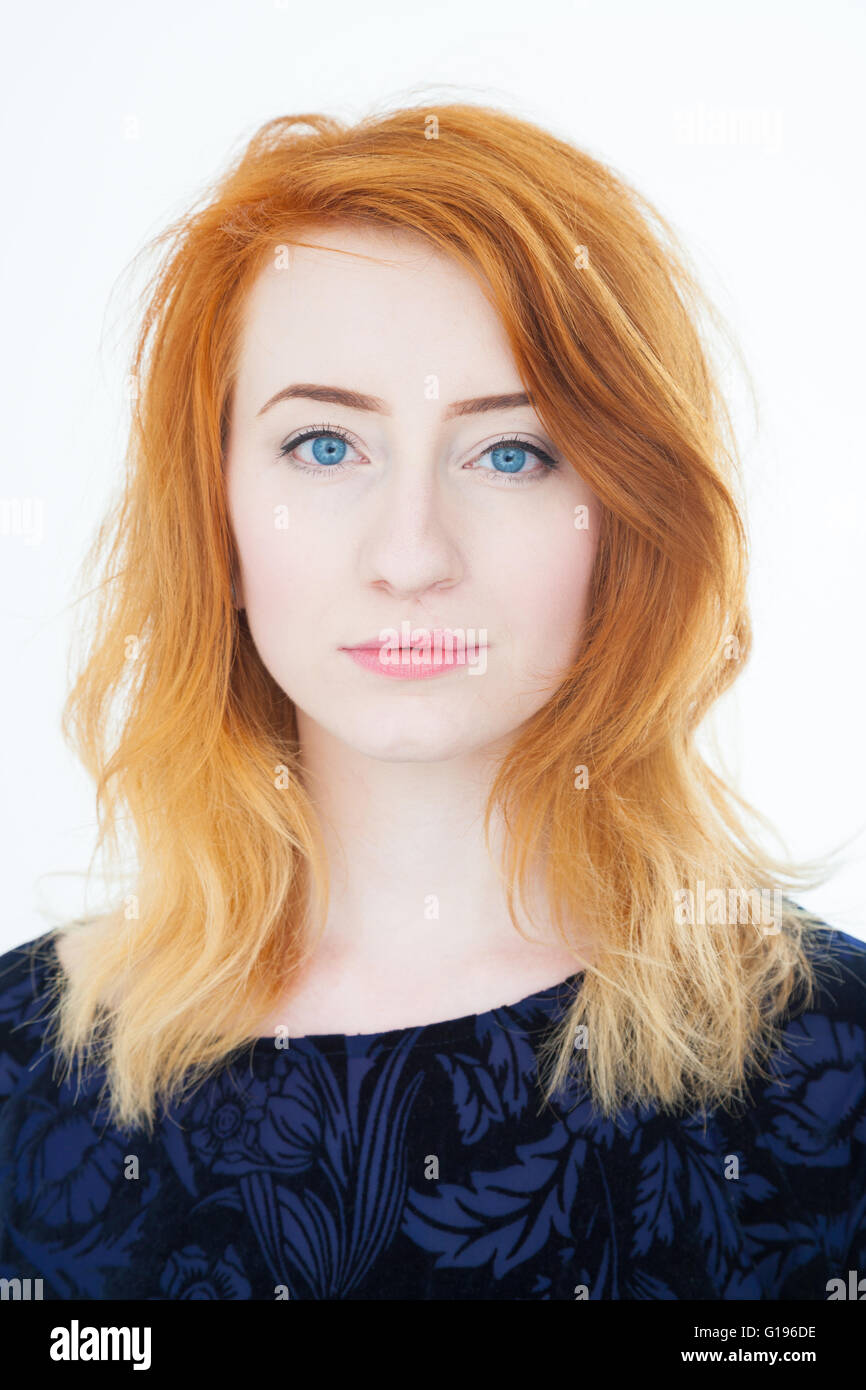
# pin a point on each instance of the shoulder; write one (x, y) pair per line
(29, 975)
(814, 1099)
(839, 965)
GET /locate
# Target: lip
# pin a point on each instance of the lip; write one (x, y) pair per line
(434, 634)
(404, 666)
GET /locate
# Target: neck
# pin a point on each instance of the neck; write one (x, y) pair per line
(411, 877)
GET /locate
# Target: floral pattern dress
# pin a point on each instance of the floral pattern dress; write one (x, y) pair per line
(422, 1163)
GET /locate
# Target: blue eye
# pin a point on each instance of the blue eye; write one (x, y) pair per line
(510, 460)
(509, 456)
(329, 449)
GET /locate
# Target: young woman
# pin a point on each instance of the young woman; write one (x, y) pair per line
(448, 967)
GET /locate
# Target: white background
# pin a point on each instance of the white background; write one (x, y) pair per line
(773, 217)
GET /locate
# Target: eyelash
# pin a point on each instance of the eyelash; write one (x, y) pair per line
(507, 441)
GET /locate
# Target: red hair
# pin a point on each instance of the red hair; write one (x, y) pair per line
(607, 328)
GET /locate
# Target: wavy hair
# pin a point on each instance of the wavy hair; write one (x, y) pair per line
(193, 746)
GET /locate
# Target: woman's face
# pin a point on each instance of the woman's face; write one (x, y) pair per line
(404, 516)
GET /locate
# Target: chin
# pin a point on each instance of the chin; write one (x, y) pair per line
(402, 745)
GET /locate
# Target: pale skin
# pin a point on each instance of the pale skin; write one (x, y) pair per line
(419, 526)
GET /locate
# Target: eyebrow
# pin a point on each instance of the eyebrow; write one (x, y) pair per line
(354, 400)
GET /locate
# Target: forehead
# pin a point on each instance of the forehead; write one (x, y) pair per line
(396, 302)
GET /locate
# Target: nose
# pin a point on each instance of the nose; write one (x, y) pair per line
(412, 545)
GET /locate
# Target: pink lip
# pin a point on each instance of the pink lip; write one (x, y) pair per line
(436, 634)
(404, 666)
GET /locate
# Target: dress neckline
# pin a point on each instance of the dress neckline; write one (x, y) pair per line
(436, 1034)
(440, 1032)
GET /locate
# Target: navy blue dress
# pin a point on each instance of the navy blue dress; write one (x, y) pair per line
(417, 1164)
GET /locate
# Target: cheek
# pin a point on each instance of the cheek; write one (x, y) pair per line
(551, 595)
(279, 563)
